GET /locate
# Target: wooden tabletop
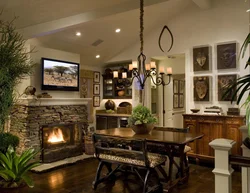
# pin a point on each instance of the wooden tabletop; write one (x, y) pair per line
(158, 135)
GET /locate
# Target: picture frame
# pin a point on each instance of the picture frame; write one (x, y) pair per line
(201, 88)
(96, 101)
(181, 86)
(175, 101)
(96, 77)
(175, 86)
(181, 101)
(226, 56)
(201, 58)
(224, 81)
(96, 89)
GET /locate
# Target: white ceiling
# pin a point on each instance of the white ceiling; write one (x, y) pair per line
(55, 22)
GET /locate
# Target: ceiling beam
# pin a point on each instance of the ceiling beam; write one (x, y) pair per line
(203, 4)
(63, 23)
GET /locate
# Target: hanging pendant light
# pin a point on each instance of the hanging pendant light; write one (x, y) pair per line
(139, 69)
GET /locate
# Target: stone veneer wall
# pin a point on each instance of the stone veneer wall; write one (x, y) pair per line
(27, 121)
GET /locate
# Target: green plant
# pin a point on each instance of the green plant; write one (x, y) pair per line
(14, 168)
(7, 139)
(242, 84)
(140, 115)
(15, 65)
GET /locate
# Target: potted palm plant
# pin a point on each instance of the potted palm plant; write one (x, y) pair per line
(15, 65)
(141, 120)
(240, 87)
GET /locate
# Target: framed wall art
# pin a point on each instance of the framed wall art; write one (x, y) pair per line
(226, 56)
(175, 101)
(181, 101)
(181, 86)
(96, 101)
(201, 88)
(178, 90)
(201, 59)
(96, 89)
(175, 86)
(97, 77)
(224, 81)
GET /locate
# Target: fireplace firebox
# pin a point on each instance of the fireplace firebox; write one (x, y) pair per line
(60, 141)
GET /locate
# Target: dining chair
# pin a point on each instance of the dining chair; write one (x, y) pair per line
(174, 151)
(126, 152)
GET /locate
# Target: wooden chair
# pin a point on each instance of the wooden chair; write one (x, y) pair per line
(174, 151)
(123, 152)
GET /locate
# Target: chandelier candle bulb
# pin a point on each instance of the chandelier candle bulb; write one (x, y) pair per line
(130, 67)
(162, 70)
(124, 75)
(115, 74)
(169, 70)
(153, 65)
(147, 66)
(134, 63)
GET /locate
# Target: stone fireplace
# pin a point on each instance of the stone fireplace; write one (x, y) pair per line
(53, 125)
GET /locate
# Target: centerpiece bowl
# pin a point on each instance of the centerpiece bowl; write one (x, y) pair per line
(143, 128)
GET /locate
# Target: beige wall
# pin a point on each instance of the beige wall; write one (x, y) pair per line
(226, 21)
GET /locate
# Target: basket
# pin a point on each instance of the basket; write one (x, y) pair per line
(122, 110)
(89, 146)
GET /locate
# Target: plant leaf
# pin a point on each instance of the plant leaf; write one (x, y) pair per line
(28, 180)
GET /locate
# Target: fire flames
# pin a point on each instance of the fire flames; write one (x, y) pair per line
(56, 136)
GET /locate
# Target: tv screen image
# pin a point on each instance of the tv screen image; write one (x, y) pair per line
(60, 75)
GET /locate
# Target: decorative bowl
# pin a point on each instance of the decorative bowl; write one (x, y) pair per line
(195, 110)
(142, 128)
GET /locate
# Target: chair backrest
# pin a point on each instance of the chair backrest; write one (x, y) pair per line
(121, 147)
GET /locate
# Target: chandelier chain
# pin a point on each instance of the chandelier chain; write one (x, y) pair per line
(141, 23)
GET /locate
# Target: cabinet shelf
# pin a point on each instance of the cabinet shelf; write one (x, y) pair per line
(112, 90)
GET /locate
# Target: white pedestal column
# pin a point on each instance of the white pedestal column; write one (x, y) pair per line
(222, 170)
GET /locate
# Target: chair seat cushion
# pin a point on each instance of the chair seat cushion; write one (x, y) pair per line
(154, 159)
(187, 149)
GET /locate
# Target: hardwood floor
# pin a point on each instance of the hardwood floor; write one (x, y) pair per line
(77, 178)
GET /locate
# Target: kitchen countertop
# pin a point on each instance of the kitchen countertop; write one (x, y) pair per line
(113, 114)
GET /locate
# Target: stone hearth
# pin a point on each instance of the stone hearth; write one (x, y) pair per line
(30, 115)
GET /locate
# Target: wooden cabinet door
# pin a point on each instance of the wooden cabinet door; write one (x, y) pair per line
(232, 132)
(212, 128)
(191, 124)
(216, 131)
(101, 122)
(112, 122)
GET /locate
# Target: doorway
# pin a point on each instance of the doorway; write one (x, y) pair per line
(173, 98)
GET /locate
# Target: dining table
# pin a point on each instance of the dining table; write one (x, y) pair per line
(166, 141)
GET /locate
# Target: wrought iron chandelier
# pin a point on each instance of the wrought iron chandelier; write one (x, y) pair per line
(139, 69)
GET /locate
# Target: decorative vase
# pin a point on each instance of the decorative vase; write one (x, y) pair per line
(143, 128)
(121, 93)
(110, 105)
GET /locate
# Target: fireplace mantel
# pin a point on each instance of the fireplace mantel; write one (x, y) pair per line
(53, 101)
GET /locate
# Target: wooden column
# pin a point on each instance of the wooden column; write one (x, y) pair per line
(222, 170)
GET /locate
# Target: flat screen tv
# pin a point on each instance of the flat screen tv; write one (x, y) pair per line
(59, 75)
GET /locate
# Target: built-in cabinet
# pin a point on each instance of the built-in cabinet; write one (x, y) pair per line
(105, 122)
(113, 88)
(111, 121)
(213, 126)
(117, 87)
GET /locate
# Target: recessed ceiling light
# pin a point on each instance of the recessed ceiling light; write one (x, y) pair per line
(97, 56)
(117, 30)
(248, 10)
(78, 34)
